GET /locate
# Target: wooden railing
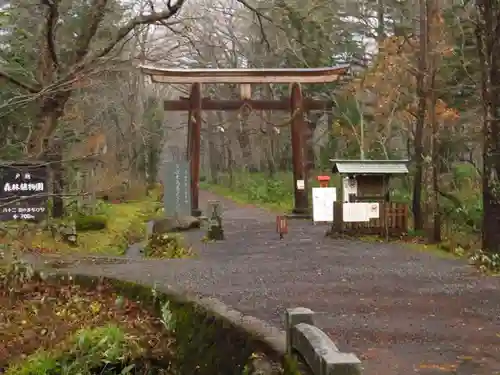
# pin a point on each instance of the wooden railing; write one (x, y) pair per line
(393, 221)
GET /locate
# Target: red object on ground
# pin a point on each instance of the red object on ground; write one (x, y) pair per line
(281, 225)
(323, 180)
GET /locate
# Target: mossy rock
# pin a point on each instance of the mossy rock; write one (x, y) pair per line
(175, 224)
(85, 223)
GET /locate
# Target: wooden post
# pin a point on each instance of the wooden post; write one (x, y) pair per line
(194, 143)
(301, 204)
(281, 226)
(55, 157)
(189, 144)
(337, 217)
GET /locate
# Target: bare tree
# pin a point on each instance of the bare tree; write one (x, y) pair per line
(57, 73)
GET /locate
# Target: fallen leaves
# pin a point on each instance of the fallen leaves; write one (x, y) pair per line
(43, 315)
(447, 367)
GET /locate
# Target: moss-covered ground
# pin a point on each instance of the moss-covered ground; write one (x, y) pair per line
(125, 224)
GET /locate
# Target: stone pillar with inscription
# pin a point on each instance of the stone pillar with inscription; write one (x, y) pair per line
(177, 192)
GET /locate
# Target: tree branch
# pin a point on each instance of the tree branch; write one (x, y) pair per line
(452, 198)
(52, 18)
(171, 11)
(32, 88)
(93, 19)
(255, 10)
(260, 16)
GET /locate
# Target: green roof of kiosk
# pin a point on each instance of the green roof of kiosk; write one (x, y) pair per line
(375, 167)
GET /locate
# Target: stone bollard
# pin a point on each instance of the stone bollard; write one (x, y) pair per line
(315, 346)
(293, 317)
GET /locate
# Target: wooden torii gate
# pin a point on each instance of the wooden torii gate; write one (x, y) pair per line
(296, 104)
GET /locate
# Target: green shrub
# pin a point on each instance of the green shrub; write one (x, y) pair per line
(257, 188)
(90, 351)
(486, 261)
(90, 222)
(166, 245)
(136, 231)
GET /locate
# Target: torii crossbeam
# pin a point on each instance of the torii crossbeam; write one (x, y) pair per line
(296, 104)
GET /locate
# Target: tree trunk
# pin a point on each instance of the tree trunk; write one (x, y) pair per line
(153, 157)
(380, 22)
(312, 124)
(214, 159)
(230, 159)
(268, 144)
(216, 155)
(51, 110)
(57, 167)
(435, 234)
(488, 38)
(244, 139)
(491, 202)
(420, 123)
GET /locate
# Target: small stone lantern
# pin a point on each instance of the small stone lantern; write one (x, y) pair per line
(215, 230)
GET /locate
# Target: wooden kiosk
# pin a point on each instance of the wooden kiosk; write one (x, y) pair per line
(367, 182)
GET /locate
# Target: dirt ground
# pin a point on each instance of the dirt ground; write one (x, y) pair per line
(400, 310)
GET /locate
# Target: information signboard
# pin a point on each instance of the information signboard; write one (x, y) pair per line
(323, 201)
(24, 192)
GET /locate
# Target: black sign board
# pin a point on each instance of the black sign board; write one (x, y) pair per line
(23, 192)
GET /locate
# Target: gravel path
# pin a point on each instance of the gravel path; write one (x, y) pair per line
(401, 311)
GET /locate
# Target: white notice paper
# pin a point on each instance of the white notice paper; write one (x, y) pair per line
(355, 212)
(301, 185)
(373, 210)
(323, 200)
(350, 186)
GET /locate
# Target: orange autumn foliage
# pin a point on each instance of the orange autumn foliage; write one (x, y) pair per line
(388, 90)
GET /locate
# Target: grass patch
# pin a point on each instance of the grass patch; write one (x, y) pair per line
(167, 246)
(126, 224)
(258, 189)
(435, 249)
(49, 329)
(416, 243)
(485, 262)
(107, 350)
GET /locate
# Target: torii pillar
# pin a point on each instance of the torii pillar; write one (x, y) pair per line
(299, 160)
(194, 145)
